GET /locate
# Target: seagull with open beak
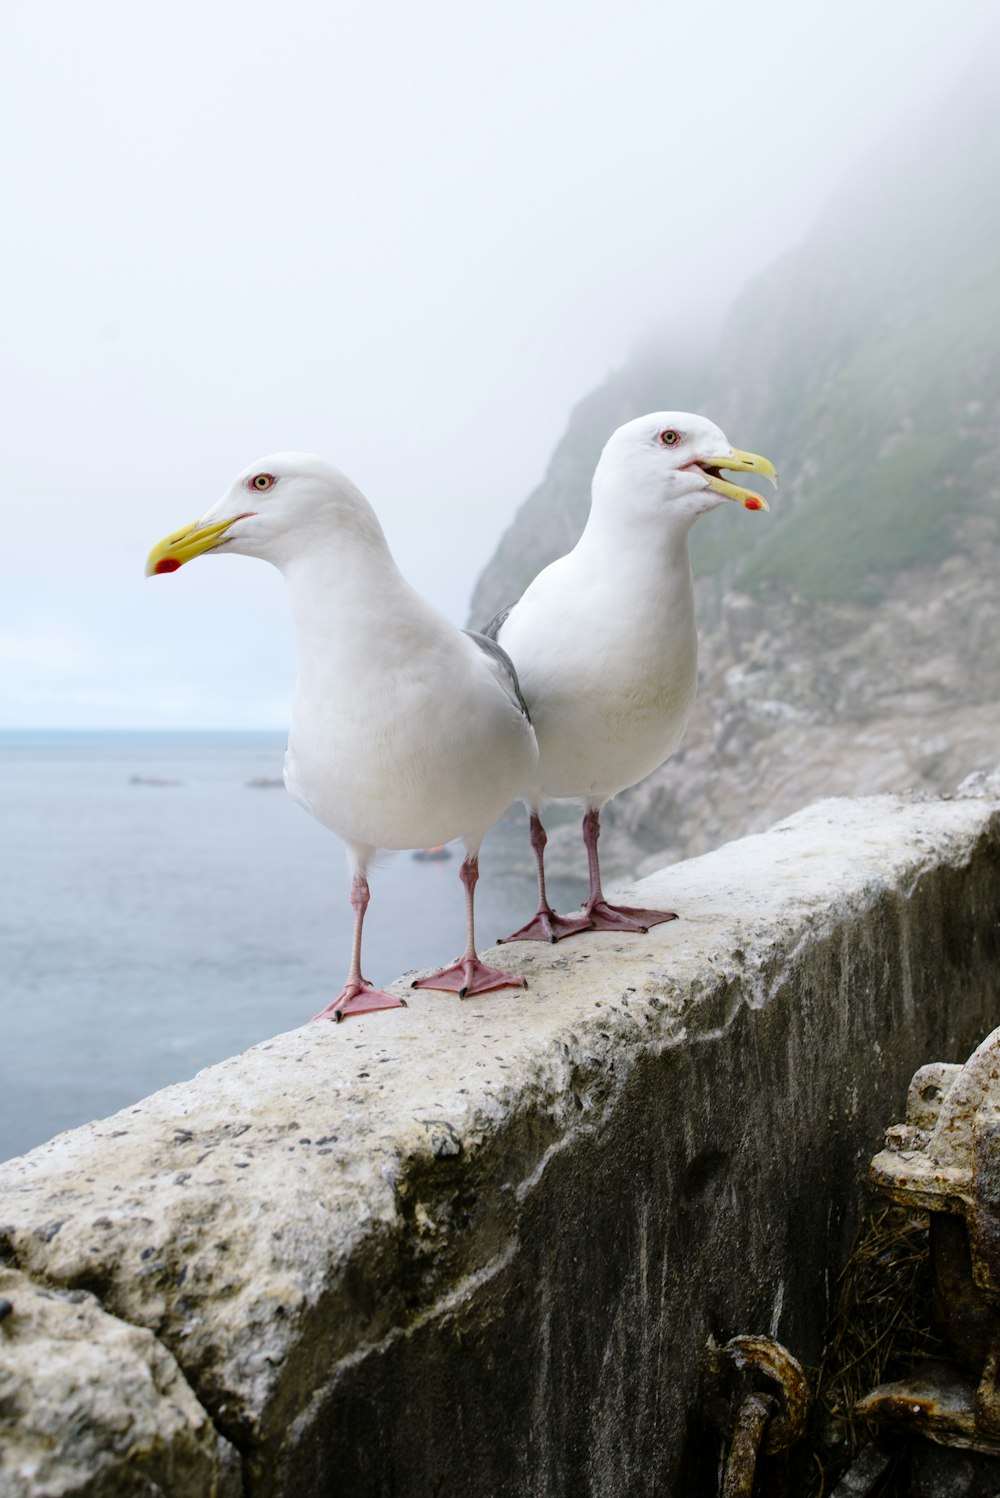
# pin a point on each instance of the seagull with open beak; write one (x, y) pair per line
(605, 643)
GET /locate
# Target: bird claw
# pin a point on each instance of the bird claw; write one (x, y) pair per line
(360, 998)
(546, 925)
(605, 917)
(470, 976)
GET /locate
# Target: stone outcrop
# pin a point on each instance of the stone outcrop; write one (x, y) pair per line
(477, 1248)
(89, 1404)
(797, 701)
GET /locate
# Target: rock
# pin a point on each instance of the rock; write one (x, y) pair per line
(865, 1471)
(91, 1406)
(825, 713)
(936, 1472)
(360, 1241)
(981, 784)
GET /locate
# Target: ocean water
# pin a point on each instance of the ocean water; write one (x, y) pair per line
(158, 913)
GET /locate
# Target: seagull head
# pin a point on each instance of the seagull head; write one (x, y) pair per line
(669, 465)
(278, 508)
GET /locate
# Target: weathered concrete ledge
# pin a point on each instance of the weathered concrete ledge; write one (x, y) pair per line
(476, 1249)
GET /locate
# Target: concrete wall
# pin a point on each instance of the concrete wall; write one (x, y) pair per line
(476, 1248)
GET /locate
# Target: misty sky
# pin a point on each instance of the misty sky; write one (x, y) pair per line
(408, 237)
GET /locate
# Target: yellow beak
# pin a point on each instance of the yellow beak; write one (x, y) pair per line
(180, 546)
(739, 462)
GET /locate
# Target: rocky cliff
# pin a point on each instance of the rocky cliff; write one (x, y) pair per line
(850, 641)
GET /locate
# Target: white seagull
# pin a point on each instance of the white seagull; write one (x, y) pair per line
(604, 640)
(406, 731)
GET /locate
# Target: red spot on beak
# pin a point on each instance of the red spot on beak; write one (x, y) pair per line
(751, 504)
(166, 564)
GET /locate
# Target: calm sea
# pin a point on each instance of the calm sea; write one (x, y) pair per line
(159, 912)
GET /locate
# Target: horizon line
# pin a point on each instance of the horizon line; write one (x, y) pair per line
(132, 728)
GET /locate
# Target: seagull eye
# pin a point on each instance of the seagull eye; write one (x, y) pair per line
(670, 438)
(262, 481)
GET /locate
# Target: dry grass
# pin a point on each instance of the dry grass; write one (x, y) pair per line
(883, 1323)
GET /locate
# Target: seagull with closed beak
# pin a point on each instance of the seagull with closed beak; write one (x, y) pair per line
(406, 731)
(605, 643)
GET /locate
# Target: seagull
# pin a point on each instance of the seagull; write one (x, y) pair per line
(406, 731)
(604, 640)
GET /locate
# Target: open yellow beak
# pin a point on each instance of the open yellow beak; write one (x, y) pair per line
(180, 546)
(739, 462)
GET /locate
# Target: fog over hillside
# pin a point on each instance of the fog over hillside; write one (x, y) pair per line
(850, 641)
(408, 239)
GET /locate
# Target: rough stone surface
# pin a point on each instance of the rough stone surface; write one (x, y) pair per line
(478, 1247)
(831, 699)
(937, 1472)
(89, 1406)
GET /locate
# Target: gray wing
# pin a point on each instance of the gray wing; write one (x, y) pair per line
(505, 672)
(496, 624)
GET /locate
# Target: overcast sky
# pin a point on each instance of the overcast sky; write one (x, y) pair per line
(408, 237)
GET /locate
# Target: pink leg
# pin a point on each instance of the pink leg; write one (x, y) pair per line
(605, 917)
(545, 925)
(468, 974)
(358, 996)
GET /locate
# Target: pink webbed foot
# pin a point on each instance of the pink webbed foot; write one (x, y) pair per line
(469, 976)
(545, 925)
(360, 998)
(605, 917)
